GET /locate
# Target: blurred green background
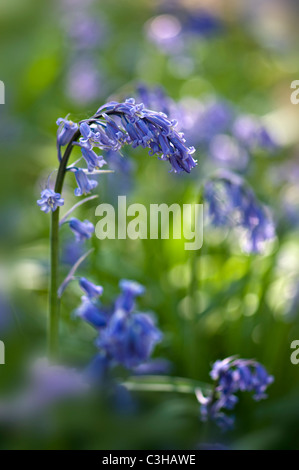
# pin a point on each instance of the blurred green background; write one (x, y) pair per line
(242, 304)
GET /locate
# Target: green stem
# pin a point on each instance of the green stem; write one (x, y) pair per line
(151, 383)
(54, 304)
(194, 310)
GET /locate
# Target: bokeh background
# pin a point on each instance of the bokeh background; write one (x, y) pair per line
(68, 57)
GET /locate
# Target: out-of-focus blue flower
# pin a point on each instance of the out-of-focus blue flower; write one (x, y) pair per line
(85, 185)
(129, 338)
(48, 384)
(226, 150)
(84, 80)
(56, 381)
(202, 122)
(233, 203)
(125, 338)
(115, 124)
(216, 118)
(50, 200)
(153, 367)
(253, 134)
(86, 31)
(82, 230)
(165, 31)
(92, 291)
(155, 99)
(90, 312)
(231, 376)
(71, 251)
(203, 23)
(130, 290)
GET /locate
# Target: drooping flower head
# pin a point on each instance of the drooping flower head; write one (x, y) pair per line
(129, 338)
(50, 200)
(85, 185)
(230, 376)
(232, 203)
(116, 124)
(126, 337)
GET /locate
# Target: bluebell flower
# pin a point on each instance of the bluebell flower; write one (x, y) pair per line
(84, 80)
(93, 160)
(82, 230)
(91, 290)
(233, 203)
(216, 118)
(50, 200)
(116, 124)
(154, 98)
(66, 131)
(231, 376)
(130, 290)
(129, 338)
(54, 382)
(253, 134)
(85, 185)
(260, 382)
(228, 152)
(90, 312)
(48, 384)
(125, 338)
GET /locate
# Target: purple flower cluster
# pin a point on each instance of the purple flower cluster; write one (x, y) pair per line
(125, 337)
(216, 127)
(116, 124)
(231, 376)
(173, 31)
(232, 203)
(48, 385)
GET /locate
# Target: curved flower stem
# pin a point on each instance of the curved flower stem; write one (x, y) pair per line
(54, 304)
(63, 220)
(71, 273)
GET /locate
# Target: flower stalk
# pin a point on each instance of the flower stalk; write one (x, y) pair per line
(54, 302)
